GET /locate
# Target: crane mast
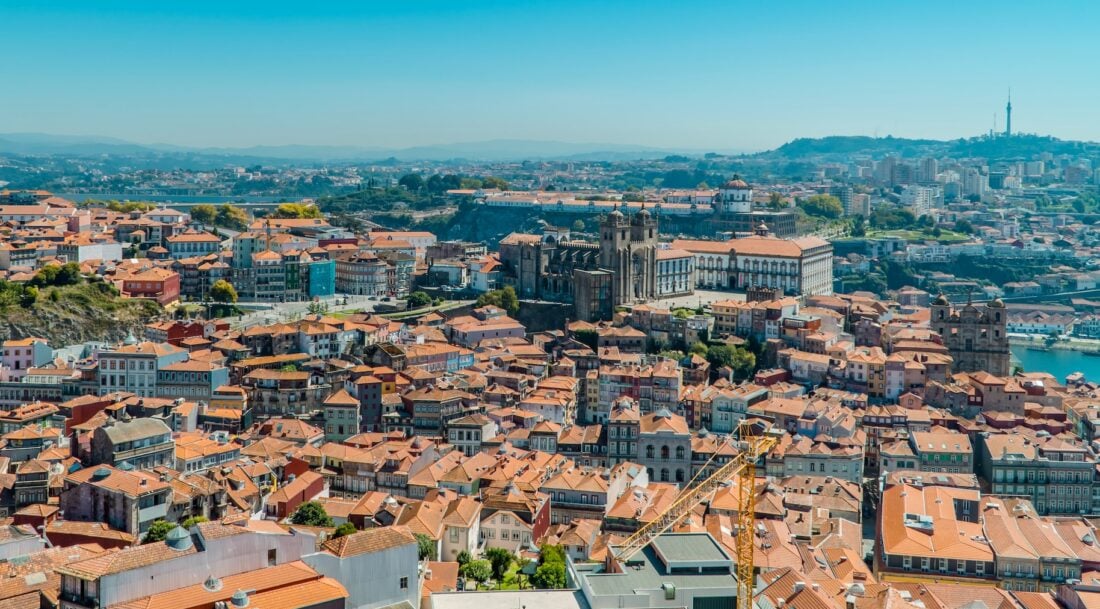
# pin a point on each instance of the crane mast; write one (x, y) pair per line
(743, 468)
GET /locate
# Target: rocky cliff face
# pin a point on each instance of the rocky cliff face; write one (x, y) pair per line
(71, 320)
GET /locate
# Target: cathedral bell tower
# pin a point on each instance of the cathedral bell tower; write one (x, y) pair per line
(628, 249)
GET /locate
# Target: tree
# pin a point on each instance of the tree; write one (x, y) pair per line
(505, 298)
(508, 300)
(439, 184)
(578, 225)
(776, 201)
(192, 521)
(223, 291)
(46, 276)
(720, 355)
(411, 182)
(822, 206)
(344, 530)
(501, 560)
(478, 570)
(699, 349)
(419, 299)
(964, 226)
(426, 547)
(231, 217)
(158, 531)
(68, 274)
(889, 217)
(742, 361)
(551, 553)
(311, 514)
(204, 214)
(494, 182)
(30, 296)
(297, 210)
(588, 337)
(463, 558)
(551, 571)
(549, 576)
(859, 226)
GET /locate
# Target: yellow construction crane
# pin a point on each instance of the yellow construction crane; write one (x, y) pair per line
(742, 467)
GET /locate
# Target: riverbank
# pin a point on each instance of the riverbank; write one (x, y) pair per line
(1062, 344)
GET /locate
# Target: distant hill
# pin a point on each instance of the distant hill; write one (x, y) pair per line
(847, 146)
(490, 150)
(42, 143)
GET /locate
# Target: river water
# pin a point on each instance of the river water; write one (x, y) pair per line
(1059, 362)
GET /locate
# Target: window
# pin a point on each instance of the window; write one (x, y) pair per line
(272, 557)
(404, 583)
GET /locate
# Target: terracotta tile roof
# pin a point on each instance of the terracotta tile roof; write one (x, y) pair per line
(125, 560)
(341, 398)
(90, 530)
(369, 541)
(133, 484)
(146, 348)
(1036, 600)
(279, 577)
(944, 536)
(319, 592)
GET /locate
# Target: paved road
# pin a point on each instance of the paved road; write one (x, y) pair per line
(699, 298)
(291, 311)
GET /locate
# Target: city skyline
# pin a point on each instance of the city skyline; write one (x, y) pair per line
(397, 75)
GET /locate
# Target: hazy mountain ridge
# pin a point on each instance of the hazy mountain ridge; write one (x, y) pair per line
(489, 150)
(835, 148)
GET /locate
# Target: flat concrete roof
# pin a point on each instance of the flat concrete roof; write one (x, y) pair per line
(510, 599)
(646, 570)
(679, 548)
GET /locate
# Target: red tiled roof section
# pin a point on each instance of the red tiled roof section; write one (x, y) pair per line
(371, 540)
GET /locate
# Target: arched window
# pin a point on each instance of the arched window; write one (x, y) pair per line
(664, 474)
(649, 452)
(679, 452)
(679, 475)
(664, 453)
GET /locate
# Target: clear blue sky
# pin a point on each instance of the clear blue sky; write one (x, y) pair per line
(719, 75)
